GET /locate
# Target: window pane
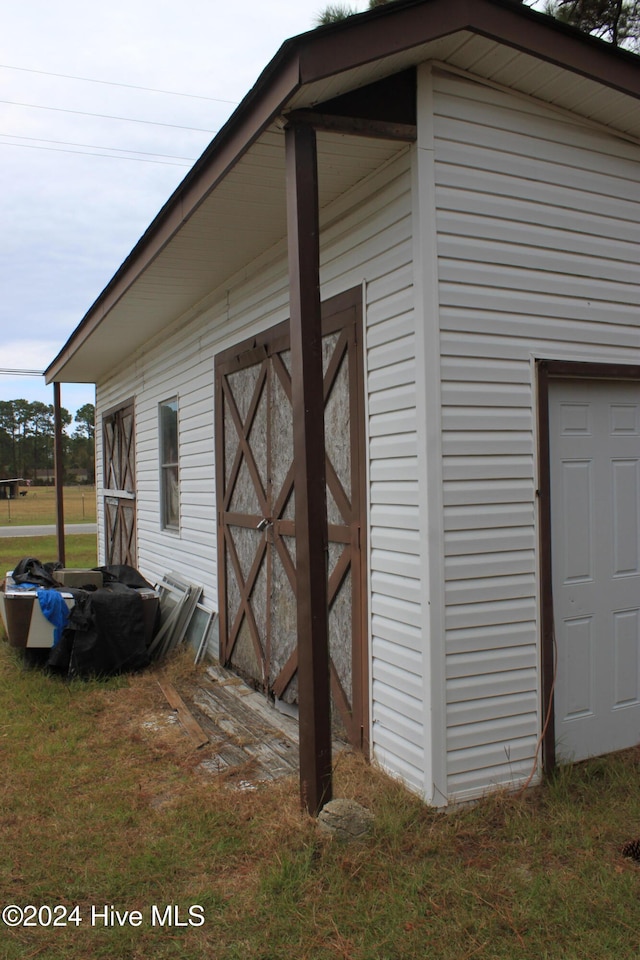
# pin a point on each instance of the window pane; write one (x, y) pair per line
(169, 431)
(171, 505)
(169, 477)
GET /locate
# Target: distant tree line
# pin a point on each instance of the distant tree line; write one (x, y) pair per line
(27, 432)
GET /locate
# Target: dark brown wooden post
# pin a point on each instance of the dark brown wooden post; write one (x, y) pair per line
(58, 472)
(309, 456)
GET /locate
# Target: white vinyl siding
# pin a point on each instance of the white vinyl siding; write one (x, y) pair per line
(538, 246)
(537, 240)
(178, 367)
(366, 241)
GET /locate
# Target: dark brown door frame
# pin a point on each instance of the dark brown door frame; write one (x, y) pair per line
(341, 317)
(547, 370)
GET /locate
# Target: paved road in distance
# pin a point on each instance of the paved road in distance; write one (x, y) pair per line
(47, 530)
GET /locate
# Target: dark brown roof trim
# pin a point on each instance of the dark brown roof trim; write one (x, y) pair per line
(414, 22)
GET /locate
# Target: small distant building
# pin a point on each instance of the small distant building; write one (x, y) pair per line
(45, 476)
(10, 489)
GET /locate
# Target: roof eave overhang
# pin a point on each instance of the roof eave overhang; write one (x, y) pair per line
(328, 51)
(233, 140)
(505, 21)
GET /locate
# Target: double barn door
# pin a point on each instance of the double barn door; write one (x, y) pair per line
(256, 514)
(118, 437)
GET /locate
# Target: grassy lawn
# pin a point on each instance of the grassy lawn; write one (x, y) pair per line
(80, 550)
(103, 803)
(39, 506)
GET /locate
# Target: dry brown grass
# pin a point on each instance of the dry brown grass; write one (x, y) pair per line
(103, 800)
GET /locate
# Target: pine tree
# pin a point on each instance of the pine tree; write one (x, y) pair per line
(333, 13)
(617, 21)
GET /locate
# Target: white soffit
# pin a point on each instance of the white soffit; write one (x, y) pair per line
(245, 215)
(240, 220)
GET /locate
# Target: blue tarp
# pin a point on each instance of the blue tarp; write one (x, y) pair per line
(55, 610)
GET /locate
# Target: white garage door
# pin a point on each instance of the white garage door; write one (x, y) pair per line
(594, 431)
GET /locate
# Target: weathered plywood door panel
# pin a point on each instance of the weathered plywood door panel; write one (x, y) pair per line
(595, 523)
(256, 508)
(118, 431)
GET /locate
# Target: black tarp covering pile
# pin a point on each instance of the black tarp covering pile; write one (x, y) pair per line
(104, 636)
(30, 571)
(106, 632)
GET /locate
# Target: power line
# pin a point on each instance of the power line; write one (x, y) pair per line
(105, 116)
(91, 146)
(114, 83)
(87, 153)
(22, 373)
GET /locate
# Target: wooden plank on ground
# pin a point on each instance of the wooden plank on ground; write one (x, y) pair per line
(186, 718)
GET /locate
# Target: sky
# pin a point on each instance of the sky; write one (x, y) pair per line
(88, 157)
